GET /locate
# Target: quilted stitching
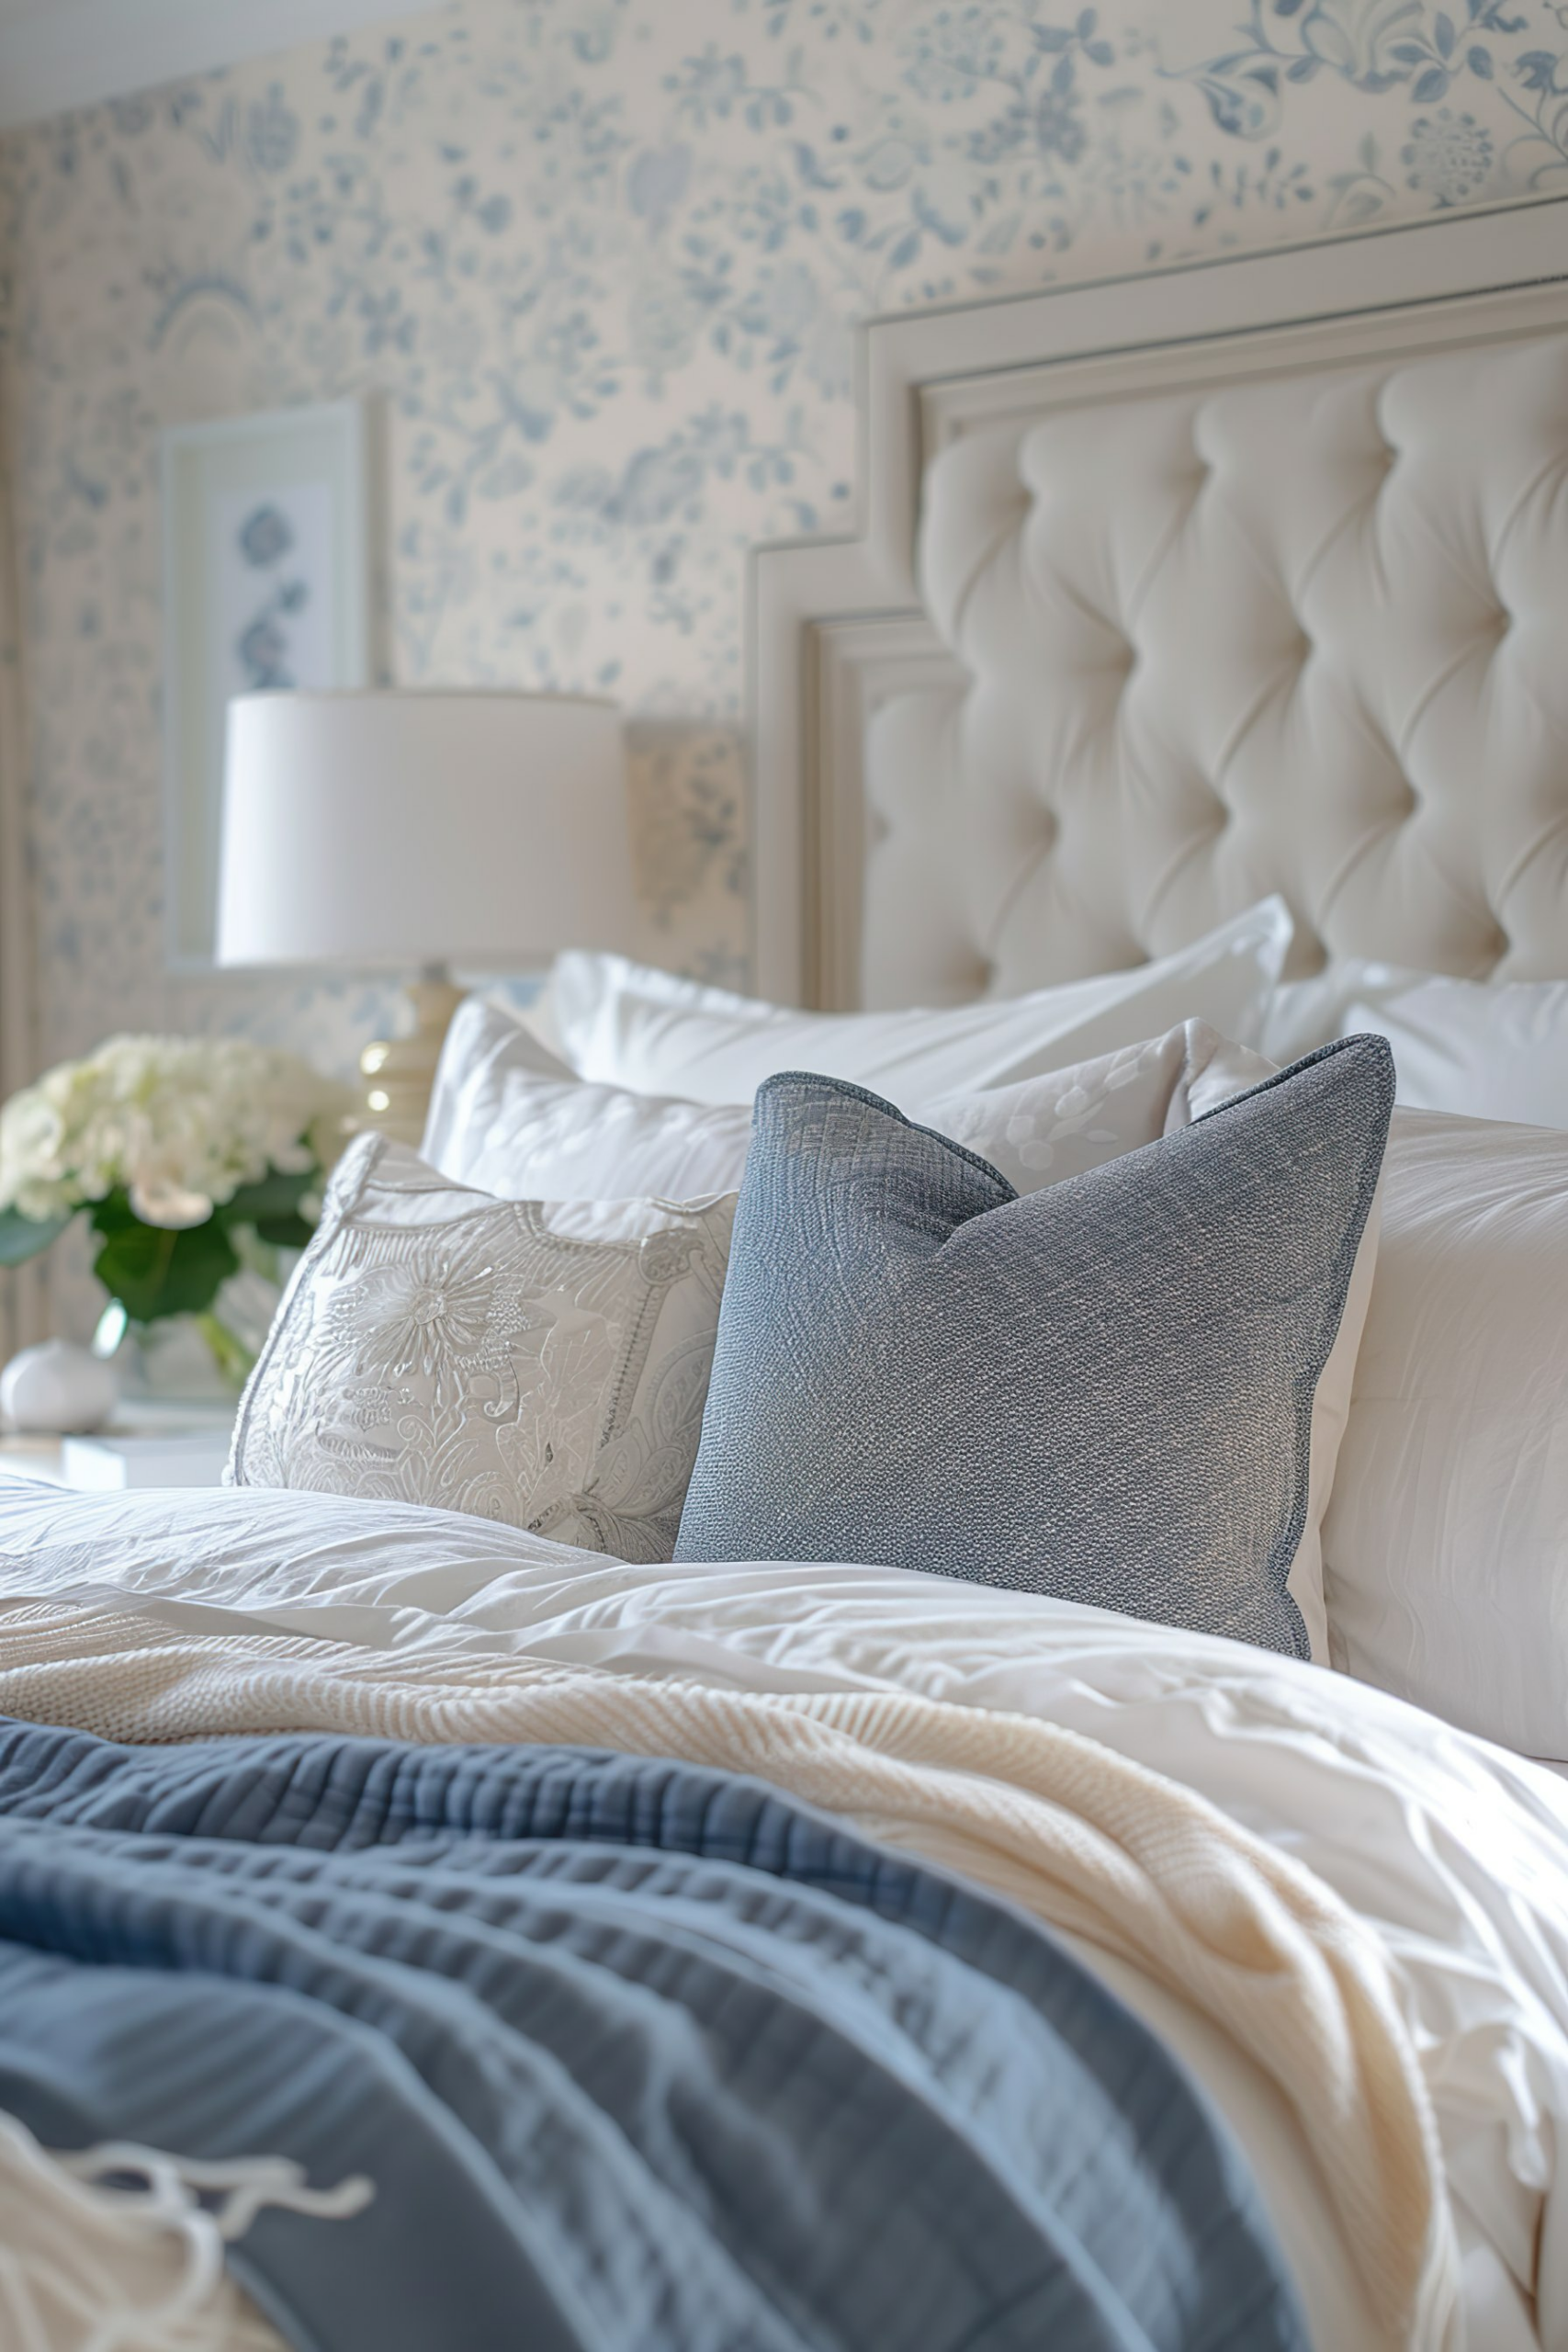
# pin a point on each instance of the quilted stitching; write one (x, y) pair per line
(1302, 634)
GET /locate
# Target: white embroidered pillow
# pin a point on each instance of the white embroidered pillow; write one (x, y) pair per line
(541, 1362)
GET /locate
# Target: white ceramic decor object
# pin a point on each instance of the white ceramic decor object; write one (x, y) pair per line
(56, 1387)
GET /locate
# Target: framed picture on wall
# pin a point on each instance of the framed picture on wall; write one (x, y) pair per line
(266, 584)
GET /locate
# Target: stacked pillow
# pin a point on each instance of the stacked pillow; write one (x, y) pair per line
(1484, 1049)
(629, 1025)
(1480, 1049)
(521, 1322)
(539, 1350)
(507, 1116)
(1446, 1541)
(565, 1390)
(1492, 1051)
(1445, 1537)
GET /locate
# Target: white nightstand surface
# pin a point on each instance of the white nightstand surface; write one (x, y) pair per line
(150, 1441)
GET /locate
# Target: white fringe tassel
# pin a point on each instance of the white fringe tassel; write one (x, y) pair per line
(91, 2263)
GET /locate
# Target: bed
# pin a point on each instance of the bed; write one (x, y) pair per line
(626, 1912)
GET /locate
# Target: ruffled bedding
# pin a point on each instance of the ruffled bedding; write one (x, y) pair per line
(602, 2051)
(1351, 1922)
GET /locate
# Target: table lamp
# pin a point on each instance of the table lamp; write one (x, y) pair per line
(413, 829)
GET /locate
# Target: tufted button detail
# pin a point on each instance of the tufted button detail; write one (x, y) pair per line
(1421, 559)
(1406, 802)
(1217, 814)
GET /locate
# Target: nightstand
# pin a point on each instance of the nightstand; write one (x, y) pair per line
(148, 1443)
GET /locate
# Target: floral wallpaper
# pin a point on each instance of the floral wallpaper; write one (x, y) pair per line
(598, 262)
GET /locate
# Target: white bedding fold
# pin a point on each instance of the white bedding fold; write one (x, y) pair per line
(1124, 1857)
(1436, 1855)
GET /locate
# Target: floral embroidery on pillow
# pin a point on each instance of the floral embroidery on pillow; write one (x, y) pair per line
(442, 1348)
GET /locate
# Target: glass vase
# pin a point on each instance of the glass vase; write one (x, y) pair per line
(196, 1358)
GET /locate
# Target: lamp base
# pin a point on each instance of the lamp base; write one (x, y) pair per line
(399, 1072)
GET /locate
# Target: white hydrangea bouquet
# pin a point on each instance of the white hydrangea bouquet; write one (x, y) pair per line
(187, 1155)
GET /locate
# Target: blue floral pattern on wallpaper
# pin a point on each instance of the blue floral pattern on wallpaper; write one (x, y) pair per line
(601, 260)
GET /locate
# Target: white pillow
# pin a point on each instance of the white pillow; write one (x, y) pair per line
(1446, 1541)
(1484, 1051)
(624, 1025)
(1302, 1015)
(507, 1116)
(541, 1362)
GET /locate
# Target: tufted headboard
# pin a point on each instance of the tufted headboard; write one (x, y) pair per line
(1172, 591)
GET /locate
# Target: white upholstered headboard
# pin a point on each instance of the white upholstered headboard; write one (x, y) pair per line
(1172, 591)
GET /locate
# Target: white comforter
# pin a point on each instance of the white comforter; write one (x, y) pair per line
(1455, 1853)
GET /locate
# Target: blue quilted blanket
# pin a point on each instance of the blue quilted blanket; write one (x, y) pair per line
(636, 2055)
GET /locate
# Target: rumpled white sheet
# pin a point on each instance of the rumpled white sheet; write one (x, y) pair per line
(1456, 1853)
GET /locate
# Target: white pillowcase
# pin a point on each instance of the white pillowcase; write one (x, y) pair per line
(1482, 1049)
(626, 1025)
(541, 1362)
(1302, 1015)
(507, 1116)
(1039, 1131)
(1446, 1540)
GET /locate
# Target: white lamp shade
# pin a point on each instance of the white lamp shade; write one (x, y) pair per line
(415, 827)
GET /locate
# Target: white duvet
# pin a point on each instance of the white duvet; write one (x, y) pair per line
(1454, 1853)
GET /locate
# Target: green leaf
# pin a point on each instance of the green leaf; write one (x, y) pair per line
(286, 1232)
(113, 1213)
(22, 1238)
(153, 1272)
(276, 1195)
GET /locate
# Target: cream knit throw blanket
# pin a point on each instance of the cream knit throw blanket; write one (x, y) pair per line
(1058, 1824)
(120, 2248)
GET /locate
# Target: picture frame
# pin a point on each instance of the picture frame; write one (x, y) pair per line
(266, 584)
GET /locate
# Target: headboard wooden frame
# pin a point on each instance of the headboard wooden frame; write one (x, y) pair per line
(837, 626)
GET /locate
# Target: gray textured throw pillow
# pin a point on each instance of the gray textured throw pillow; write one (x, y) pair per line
(1103, 1390)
